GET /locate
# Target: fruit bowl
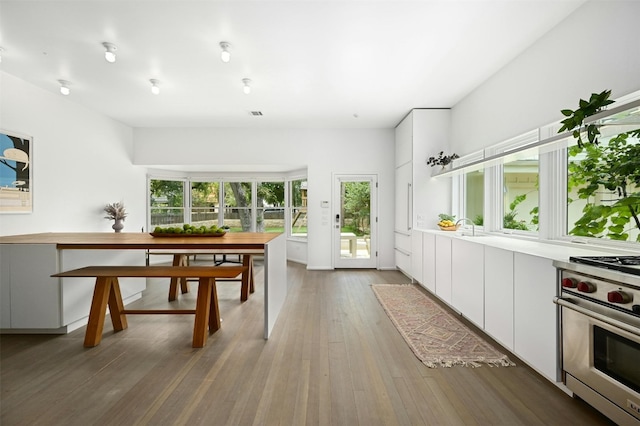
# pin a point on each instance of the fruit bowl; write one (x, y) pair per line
(449, 228)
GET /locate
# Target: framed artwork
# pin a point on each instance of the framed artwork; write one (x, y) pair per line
(16, 173)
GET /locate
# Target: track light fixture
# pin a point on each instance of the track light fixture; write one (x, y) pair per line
(64, 87)
(155, 88)
(225, 55)
(110, 52)
(247, 86)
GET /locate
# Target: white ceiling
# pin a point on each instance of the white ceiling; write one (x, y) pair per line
(340, 64)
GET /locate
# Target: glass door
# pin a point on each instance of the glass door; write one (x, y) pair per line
(354, 236)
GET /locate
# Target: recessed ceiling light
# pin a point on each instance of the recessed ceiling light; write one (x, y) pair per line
(110, 51)
(247, 86)
(225, 55)
(64, 87)
(155, 89)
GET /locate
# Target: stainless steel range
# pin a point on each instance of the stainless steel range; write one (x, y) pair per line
(600, 320)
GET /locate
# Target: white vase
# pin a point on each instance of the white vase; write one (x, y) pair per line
(118, 225)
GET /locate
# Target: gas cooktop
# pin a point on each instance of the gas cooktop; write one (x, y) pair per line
(626, 264)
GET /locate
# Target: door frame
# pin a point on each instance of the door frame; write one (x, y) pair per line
(337, 260)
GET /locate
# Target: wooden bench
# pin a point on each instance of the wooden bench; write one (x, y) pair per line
(107, 293)
(181, 258)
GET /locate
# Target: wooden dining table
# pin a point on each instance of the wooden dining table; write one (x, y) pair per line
(96, 246)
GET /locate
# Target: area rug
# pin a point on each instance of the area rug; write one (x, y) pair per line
(434, 335)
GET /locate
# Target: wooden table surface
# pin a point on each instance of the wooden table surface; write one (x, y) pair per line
(139, 240)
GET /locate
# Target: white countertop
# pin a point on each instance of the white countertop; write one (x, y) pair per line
(554, 250)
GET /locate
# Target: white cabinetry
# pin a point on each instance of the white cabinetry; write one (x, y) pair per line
(429, 262)
(443, 268)
(416, 256)
(536, 327)
(33, 300)
(467, 280)
(498, 295)
(418, 198)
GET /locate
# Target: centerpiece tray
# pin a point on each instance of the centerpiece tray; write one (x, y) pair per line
(183, 235)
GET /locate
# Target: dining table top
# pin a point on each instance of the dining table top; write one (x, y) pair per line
(140, 240)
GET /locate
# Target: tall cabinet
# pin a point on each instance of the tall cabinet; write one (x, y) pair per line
(419, 198)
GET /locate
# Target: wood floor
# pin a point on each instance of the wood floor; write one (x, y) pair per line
(334, 358)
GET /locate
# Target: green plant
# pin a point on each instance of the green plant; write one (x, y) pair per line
(441, 159)
(608, 178)
(509, 220)
(575, 119)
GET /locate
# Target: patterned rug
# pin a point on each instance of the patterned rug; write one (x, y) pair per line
(433, 334)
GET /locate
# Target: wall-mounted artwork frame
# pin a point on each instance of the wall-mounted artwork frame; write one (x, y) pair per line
(16, 173)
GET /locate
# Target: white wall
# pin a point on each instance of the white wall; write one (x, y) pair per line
(596, 48)
(81, 161)
(324, 152)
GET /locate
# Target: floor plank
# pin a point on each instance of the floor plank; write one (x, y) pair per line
(334, 357)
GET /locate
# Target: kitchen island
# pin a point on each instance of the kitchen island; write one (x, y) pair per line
(33, 301)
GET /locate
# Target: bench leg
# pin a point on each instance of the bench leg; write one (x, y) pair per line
(98, 311)
(178, 260)
(203, 305)
(214, 310)
(116, 306)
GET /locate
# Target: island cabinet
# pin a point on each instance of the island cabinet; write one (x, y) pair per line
(418, 198)
(33, 301)
(467, 279)
(498, 295)
(536, 316)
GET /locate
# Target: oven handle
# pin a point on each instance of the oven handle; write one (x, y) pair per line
(612, 322)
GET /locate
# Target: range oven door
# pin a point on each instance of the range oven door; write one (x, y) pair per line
(601, 358)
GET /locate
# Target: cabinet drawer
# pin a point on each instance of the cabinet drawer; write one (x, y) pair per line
(403, 242)
(403, 261)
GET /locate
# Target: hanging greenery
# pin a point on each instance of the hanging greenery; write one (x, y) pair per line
(606, 176)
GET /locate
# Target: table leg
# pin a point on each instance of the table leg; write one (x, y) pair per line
(201, 321)
(178, 260)
(247, 277)
(116, 306)
(98, 311)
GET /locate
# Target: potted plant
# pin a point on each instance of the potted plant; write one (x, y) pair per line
(605, 176)
(441, 159)
(117, 213)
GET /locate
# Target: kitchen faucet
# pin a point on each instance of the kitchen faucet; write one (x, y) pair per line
(473, 225)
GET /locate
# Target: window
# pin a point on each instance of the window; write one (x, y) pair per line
(520, 194)
(270, 207)
(241, 205)
(205, 203)
(474, 196)
(517, 180)
(603, 188)
(298, 207)
(237, 211)
(166, 202)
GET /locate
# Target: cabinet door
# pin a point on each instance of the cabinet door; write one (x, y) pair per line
(429, 262)
(403, 220)
(498, 295)
(416, 256)
(404, 141)
(443, 268)
(467, 279)
(34, 295)
(536, 316)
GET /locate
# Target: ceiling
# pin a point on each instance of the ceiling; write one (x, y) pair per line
(313, 64)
